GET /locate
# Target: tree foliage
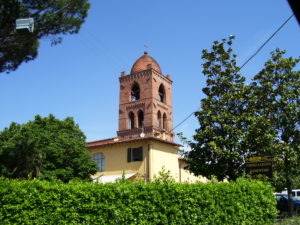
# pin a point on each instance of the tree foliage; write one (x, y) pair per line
(29, 202)
(47, 148)
(275, 99)
(238, 120)
(164, 177)
(52, 19)
(219, 144)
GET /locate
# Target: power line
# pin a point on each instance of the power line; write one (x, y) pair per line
(245, 63)
(263, 45)
(183, 120)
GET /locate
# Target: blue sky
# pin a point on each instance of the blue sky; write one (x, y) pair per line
(79, 77)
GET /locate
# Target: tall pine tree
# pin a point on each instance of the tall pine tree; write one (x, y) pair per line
(52, 19)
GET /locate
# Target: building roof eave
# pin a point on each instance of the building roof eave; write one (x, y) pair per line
(113, 141)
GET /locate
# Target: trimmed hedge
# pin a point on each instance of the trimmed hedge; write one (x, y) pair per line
(41, 202)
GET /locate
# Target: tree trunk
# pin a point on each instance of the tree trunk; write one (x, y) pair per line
(289, 187)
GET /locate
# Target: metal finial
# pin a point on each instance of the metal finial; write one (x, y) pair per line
(145, 52)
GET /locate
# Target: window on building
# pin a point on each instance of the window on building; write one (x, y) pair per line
(100, 160)
(141, 118)
(158, 123)
(135, 92)
(165, 121)
(161, 93)
(135, 154)
(131, 120)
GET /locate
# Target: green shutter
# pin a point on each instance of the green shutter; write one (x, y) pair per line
(129, 155)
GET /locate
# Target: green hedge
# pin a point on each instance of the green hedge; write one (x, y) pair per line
(41, 202)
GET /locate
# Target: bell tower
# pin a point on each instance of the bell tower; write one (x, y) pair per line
(145, 105)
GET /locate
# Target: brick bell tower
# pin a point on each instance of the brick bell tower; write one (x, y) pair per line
(145, 108)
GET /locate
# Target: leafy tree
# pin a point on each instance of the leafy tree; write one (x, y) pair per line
(275, 99)
(219, 144)
(47, 148)
(52, 19)
(164, 177)
(238, 121)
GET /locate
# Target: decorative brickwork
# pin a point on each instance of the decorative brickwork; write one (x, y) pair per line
(151, 103)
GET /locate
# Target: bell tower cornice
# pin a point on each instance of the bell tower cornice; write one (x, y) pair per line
(144, 73)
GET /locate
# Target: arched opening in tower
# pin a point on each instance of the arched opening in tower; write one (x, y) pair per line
(141, 118)
(161, 93)
(158, 119)
(135, 92)
(131, 120)
(165, 121)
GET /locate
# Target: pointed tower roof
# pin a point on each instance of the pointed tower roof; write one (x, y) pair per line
(143, 62)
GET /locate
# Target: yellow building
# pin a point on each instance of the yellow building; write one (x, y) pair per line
(145, 140)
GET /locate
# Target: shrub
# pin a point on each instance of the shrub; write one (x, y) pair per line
(42, 202)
